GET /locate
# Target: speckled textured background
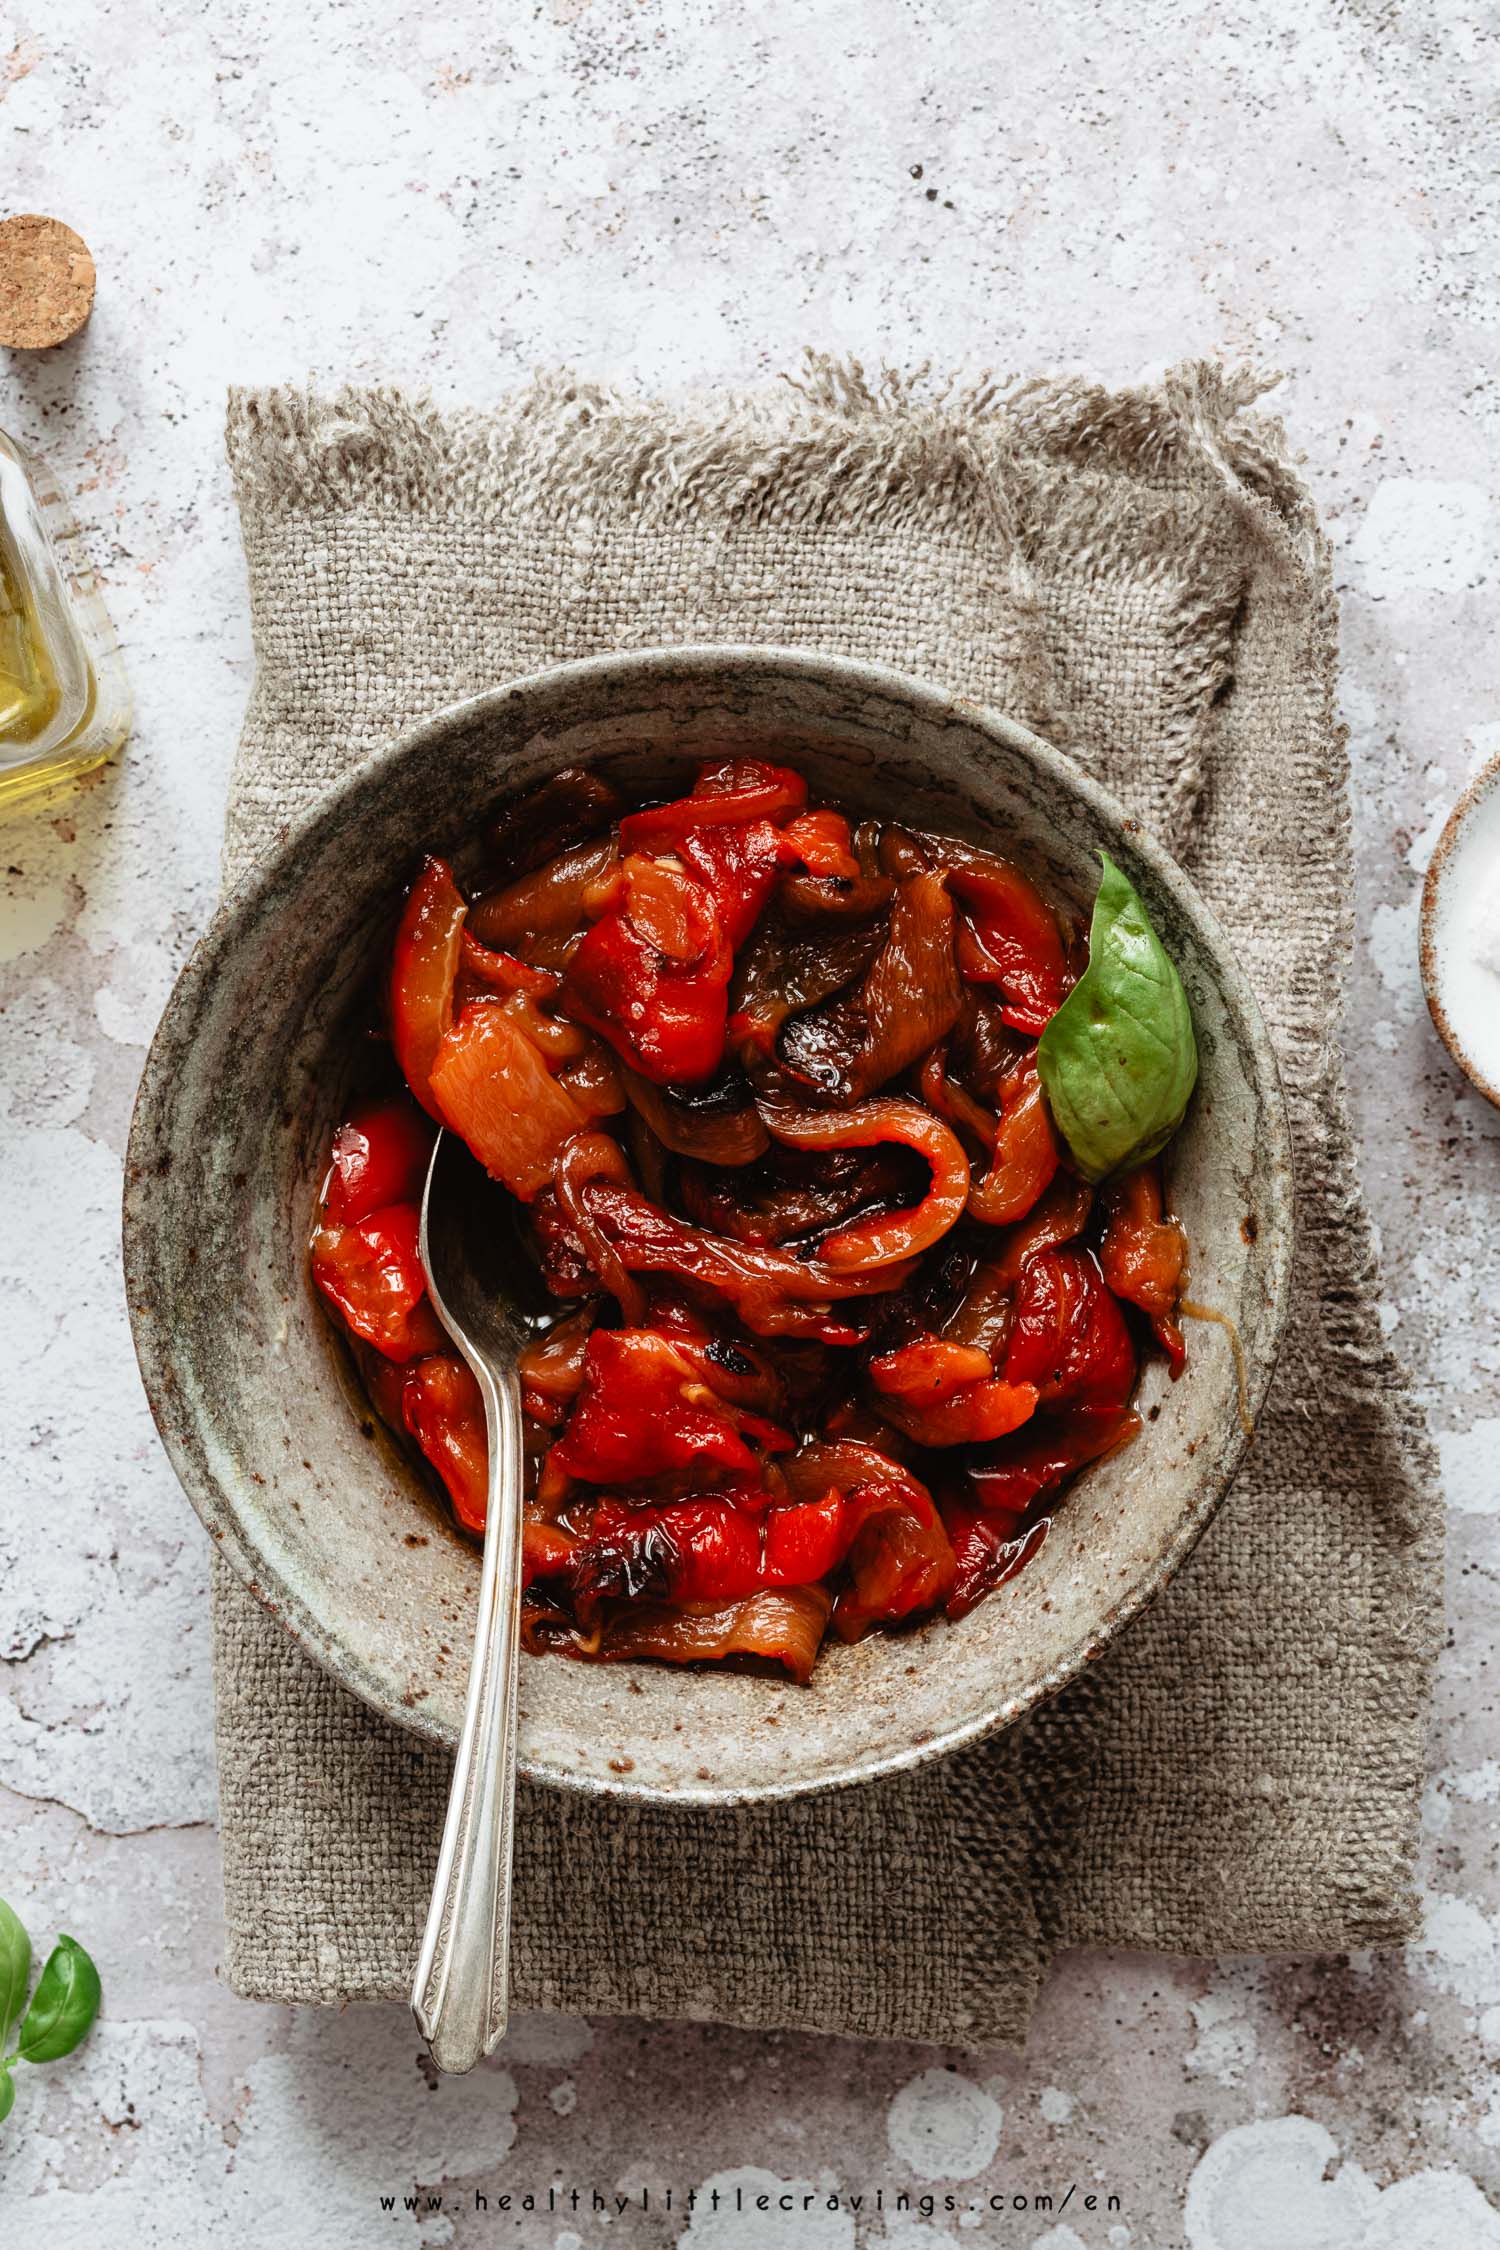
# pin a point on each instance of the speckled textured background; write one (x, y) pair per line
(688, 192)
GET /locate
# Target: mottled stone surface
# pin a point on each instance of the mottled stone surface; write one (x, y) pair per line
(682, 192)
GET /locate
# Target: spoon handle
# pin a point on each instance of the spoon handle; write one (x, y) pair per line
(461, 1993)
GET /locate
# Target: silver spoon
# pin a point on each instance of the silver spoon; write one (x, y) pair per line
(477, 1276)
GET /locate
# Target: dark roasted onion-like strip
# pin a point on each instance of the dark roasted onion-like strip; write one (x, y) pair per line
(568, 807)
(952, 1099)
(797, 1196)
(871, 1243)
(552, 1363)
(774, 1294)
(552, 902)
(587, 1158)
(713, 1131)
(909, 999)
(782, 1625)
(779, 971)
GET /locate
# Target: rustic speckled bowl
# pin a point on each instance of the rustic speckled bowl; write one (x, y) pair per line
(254, 1399)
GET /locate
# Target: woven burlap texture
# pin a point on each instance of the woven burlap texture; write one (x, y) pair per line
(1139, 575)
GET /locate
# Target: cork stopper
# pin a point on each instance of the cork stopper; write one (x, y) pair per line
(46, 282)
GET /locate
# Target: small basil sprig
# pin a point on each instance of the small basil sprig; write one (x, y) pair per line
(1118, 1060)
(63, 2005)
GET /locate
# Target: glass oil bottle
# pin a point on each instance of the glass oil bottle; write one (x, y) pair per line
(64, 701)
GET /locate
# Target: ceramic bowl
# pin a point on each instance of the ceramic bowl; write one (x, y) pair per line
(282, 1457)
(1460, 933)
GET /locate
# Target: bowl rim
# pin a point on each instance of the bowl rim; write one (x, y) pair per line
(1438, 867)
(230, 1518)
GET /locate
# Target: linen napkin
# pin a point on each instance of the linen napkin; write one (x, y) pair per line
(1140, 576)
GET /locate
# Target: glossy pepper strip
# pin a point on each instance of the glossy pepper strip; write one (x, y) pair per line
(909, 999)
(737, 789)
(380, 1156)
(443, 1408)
(870, 1243)
(440, 1404)
(900, 1561)
(1068, 1336)
(645, 1409)
(707, 1550)
(652, 975)
(1011, 937)
(551, 1366)
(951, 1098)
(1026, 1154)
(972, 1416)
(1012, 1476)
(424, 970)
(372, 1272)
(987, 1550)
(1060, 1216)
(929, 1369)
(940, 1393)
(1143, 1254)
(505, 972)
(587, 1158)
(719, 1549)
(738, 867)
(820, 842)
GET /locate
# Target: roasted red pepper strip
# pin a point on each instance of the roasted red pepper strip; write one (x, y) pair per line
(951, 1098)
(441, 1405)
(1026, 1154)
(870, 1243)
(652, 975)
(424, 969)
(737, 789)
(1069, 1336)
(1061, 1215)
(379, 1157)
(779, 1624)
(707, 1550)
(1010, 937)
(940, 1393)
(820, 842)
(443, 1408)
(551, 1366)
(645, 1409)
(1021, 1470)
(371, 1271)
(899, 1565)
(719, 1549)
(929, 1369)
(773, 1293)
(1143, 1254)
(506, 972)
(738, 867)
(971, 1416)
(987, 1549)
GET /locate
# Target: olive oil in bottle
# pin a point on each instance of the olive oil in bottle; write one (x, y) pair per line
(64, 703)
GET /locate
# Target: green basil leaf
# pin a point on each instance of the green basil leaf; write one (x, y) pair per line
(63, 2005)
(15, 1966)
(7, 2093)
(1118, 1060)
